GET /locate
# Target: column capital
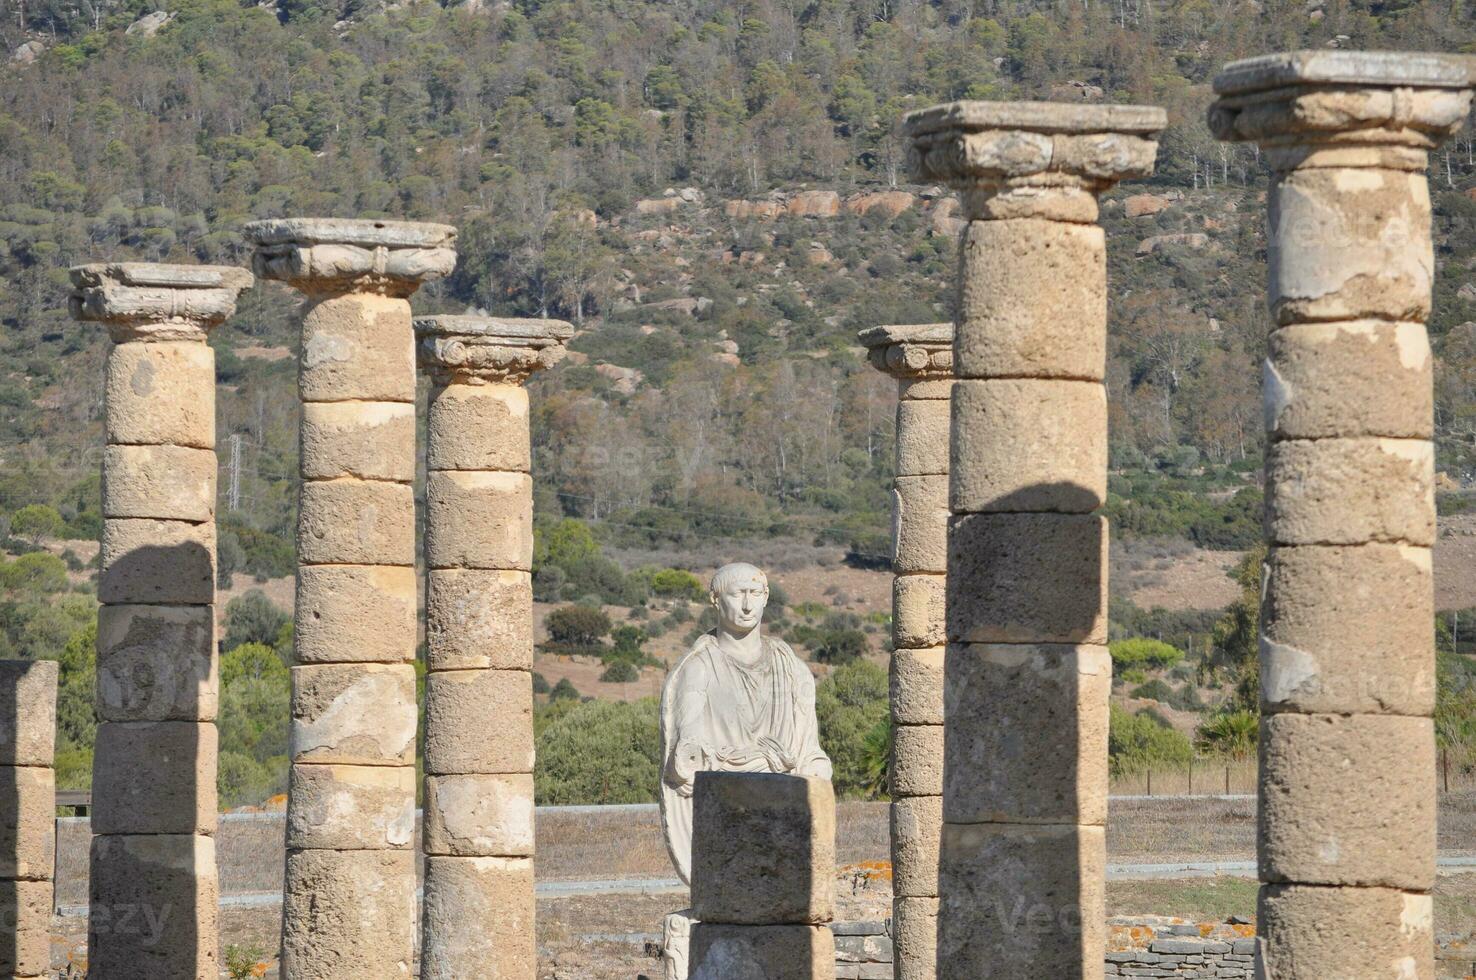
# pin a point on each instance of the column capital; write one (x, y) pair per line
(149, 301)
(480, 349)
(342, 255)
(911, 352)
(1342, 108)
(1032, 159)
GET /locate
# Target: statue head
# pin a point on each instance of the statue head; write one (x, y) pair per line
(739, 592)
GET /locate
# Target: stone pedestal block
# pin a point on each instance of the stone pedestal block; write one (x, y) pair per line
(1032, 300)
(479, 815)
(1348, 800)
(920, 524)
(356, 522)
(154, 777)
(174, 483)
(1311, 931)
(156, 663)
(763, 849)
(157, 562)
(354, 714)
(1348, 629)
(478, 919)
(355, 613)
(1021, 901)
(1027, 740)
(1027, 578)
(28, 712)
(917, 822)
(917, 760)
(348, 914)
(478, 427)
(462, 706)
(479, 519)
(786, 952)
(348, 808)
(153, 907)
(917, 686)
(1027, 444)
(479, 619)
(358, 346)
(27, 825)
(365, 440)
(1350, 491)
(161, 393)
(1362, 378)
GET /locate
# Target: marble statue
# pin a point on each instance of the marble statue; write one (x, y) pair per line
(738, 701)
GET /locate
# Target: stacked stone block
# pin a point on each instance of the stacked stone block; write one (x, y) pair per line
(1026, 673)
(349, 907)
(478, 838)
(154, 763)
(920, 357)
(1347, 767)
(27, 815)
(763, 877)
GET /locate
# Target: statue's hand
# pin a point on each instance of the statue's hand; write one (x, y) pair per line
(778, 759)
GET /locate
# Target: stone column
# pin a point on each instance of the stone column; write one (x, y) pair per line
(349, 908)
(478, 837)
(763, 877)
(920, 357)
(1027, 675)
(1347, 780)
(154, 889)
(27, 815)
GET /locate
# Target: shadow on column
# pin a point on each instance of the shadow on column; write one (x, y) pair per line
(1026, 685)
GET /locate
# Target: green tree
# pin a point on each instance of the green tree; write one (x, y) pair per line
(37, 521)
(35, 573)
(577, 626)
(1137, 741)
(848, 705)
(253, 618)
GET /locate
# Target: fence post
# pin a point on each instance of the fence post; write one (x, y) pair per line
(1191, 778)
(1150, 780)
(1227, 779)
(1445, 768)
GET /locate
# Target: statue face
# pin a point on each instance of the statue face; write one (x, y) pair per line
(741, 604)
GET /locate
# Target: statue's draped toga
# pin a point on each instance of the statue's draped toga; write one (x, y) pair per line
(718, 713)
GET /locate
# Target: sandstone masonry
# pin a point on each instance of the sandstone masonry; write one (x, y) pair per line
(920, 357)
(27, 815)
(349, 907)
(478, 834)
(1347, 782)
(153, 785)
(1026, 674)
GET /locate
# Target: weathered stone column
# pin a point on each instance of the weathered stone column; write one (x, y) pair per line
(27, 815)
(154, 888)
(349, 908)
(763, 877)
(1027, 675)
(1347, 781)
(478, 838)
(920, 357)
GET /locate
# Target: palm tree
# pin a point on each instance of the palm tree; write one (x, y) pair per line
(1231, 733)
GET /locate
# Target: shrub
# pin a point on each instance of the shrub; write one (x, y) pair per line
(577, 626)
(1140, 651)
(600, 752)
(37, 521)
(1133, 675)
(252, 661)
(253, 618)
(1154, 690)
(1231, 733)
(841, 646)
(620, 672)
(676, 583)
(38, 573)
(564, 690)
(540, 683)
(1135, 742)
